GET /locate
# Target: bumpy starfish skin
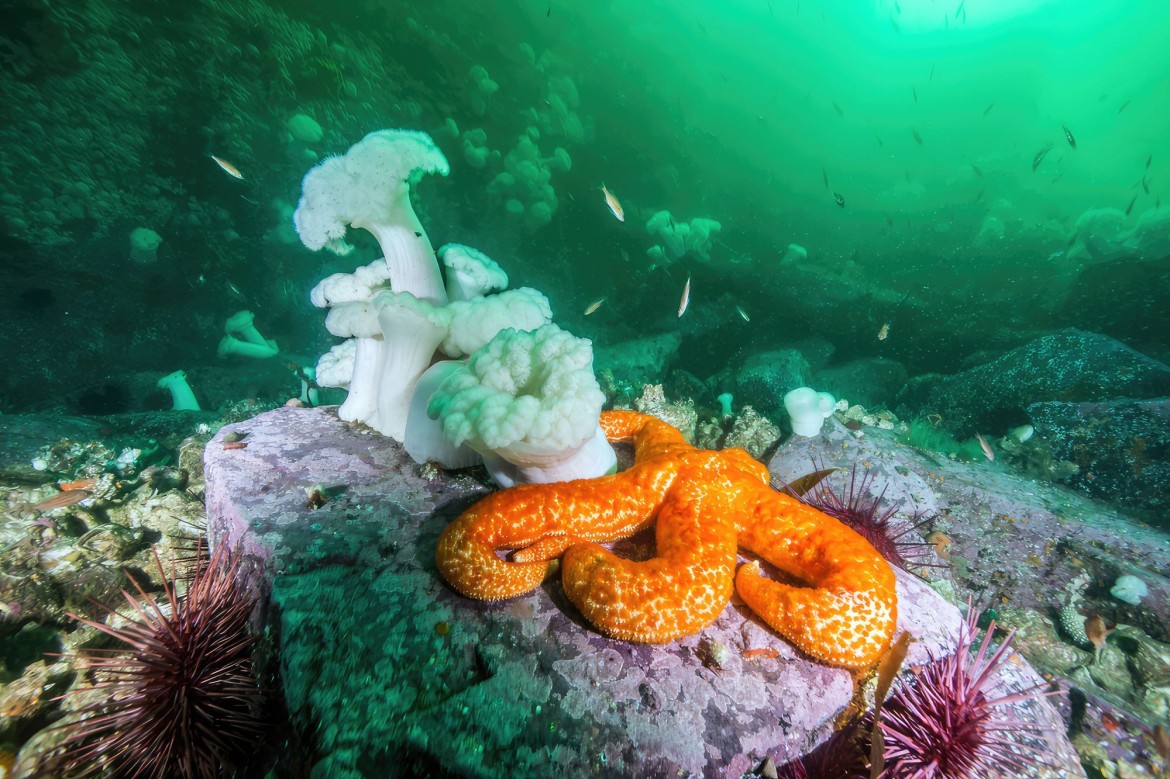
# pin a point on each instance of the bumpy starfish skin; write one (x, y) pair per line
(848, 616)
(687, 584)
(545, 519)
(676, 593)
(706, 504)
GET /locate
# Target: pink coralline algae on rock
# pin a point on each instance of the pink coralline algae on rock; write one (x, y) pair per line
(395, 669)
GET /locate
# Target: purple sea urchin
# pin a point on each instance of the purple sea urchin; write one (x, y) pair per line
(182, 701)
(942, 724)
(854, 504)
(945, 724)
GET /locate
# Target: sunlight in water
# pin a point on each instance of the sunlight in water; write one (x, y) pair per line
(932, 16)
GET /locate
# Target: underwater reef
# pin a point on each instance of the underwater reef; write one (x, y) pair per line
(785, 392)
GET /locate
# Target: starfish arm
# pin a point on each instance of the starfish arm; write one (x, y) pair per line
(474, 570)
(679, 591)
(549, 516)
(652, 437)
(847, 614)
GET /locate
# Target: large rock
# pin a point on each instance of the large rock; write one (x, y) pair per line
(1017, 540)
(1122, 448)
(1144, 285)
(640, 361)
(766, 377)
(401, 675)
(869, 382)
(1069, 365)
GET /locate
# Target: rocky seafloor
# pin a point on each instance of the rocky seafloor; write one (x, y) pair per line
(393, 672)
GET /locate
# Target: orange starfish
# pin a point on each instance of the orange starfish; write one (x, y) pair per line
(707, 504)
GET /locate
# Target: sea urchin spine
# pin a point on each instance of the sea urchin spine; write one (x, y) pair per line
(944, 724)
(854, 504)
(181, 698)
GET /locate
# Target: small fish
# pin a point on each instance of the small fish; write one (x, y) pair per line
(825, 177)
(61, 500)
(897, 27)
(979, 197)
(959, 10)
(975, 168)
(1149, 160)
(1040, 155)
(594, 306)
(990, 106)
(1068, 136)
(686, 298)
(837, 196)
(548, 13)
(1124, 106)
(914, 92)
(1059, 176)
(84, 484)
(235, 445)
(1146, 184)
(837, 108)
(884, 333)
(931, 72)
(614, 205)
(228, 168)
(1129, 208)
(742, 314)
(917, 137)
(235, 291)
(417, 234)
(988, 452)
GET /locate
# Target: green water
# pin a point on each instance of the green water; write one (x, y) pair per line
(895, 141)
(930, 182)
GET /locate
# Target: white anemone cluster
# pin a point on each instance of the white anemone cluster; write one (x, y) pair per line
(406, 328)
